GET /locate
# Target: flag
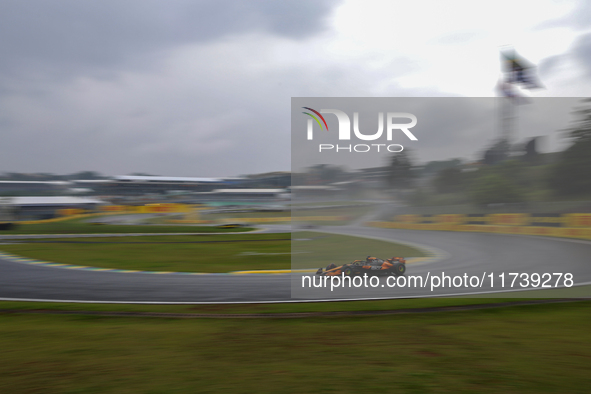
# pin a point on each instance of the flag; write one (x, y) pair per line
(519, 71)
(528, 79)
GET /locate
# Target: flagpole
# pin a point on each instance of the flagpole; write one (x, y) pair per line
(517, 73)
(509, 114)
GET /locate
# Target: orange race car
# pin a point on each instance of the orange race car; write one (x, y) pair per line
(371, 266)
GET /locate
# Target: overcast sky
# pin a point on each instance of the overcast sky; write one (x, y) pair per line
(203, 88)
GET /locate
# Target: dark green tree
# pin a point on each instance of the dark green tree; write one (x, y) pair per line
(494, 188)
(504, 182)
(87, 175)
(400, 172)
(436, 166)
(449, 180)
(571, 175)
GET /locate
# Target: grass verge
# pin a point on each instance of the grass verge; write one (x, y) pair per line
(205, 253)
(536, 349)
(274, 308)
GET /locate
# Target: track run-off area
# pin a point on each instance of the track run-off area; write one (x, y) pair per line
(451, 253)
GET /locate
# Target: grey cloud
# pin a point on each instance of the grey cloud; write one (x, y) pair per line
(81, 86)
(162, 124)
(582, 52)
(548, 65)
(66, 35)
(579, 18)
(579, 52)
(459, 37)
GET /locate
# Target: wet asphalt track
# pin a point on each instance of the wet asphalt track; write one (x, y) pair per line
(464, 253)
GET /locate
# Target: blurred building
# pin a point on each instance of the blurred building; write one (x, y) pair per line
(40, 188)
(141, 185)
(277, 180)
(141, 189)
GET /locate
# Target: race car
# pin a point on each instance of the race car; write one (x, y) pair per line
(371, 265)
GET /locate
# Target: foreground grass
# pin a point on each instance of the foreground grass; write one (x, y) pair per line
(533, 349)
(206, 253)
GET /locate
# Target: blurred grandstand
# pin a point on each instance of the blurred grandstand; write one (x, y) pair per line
(43, 199)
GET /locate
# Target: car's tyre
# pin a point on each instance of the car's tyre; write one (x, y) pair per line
(399, 268)
(348, 271)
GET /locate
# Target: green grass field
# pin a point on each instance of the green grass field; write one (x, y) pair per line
(516, 349)
(205, 253)
(525, 349)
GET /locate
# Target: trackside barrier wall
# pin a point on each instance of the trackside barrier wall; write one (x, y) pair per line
(503, 219)
(64, 218)
(75, 213)
(573, 225)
